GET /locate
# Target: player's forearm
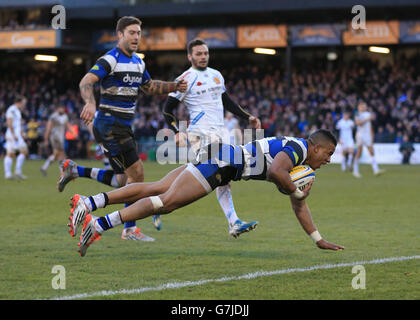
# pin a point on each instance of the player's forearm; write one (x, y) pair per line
(86, 89)
(281, 179)
(303, 214)
(159, 87)
(233, 107)
(168, 113)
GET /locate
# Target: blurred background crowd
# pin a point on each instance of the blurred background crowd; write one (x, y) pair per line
(312, 94)
(317, 97)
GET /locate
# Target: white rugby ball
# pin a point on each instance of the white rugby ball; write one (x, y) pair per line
(301, 176)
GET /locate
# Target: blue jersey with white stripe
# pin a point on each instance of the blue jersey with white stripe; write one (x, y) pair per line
(120, 78)
(259, 155)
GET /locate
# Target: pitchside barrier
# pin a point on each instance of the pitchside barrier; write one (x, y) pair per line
(385, 153)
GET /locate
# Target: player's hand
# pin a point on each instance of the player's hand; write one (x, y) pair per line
(182, 85)
(88, 113)
(306, 190)
(255, 122)
(181, 139)
(322, 244)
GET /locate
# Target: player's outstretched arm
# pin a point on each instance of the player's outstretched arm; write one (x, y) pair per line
(86, 91)
(279, 174)
(237, 110)
(303, 214)
(164, 87)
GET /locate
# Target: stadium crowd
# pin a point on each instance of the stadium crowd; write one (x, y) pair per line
(317, 97)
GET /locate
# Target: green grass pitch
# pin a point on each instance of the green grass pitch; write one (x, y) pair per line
(372, 217)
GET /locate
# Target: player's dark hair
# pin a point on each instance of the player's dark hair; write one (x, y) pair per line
(126, 21)
(19, 98)
(195, 42)
(322, 135)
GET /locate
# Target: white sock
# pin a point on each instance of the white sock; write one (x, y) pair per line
(47, 163)
(8, 163)
(356, 166)
(224, 196)
(95, 202)
(343, 164)
(19, 163)
(349, 159)
(114, 182)
(94, 173)
(374, 165)
(111, 220)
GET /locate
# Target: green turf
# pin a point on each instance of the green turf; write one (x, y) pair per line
(373, 217)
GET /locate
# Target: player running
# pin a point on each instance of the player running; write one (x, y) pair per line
(269, 159)
(121, 73)
(206, 99)
(345, 125)
(56, 128)
(14, 139)
(364, 137)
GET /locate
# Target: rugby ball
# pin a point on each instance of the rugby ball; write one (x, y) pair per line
(301, 176)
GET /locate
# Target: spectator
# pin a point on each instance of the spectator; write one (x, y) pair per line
(406, 149)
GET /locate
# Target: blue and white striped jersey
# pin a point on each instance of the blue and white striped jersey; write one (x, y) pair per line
(120, 78)
(259, 155)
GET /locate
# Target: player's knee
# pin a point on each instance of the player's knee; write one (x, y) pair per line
(169, 204)
(158, 205)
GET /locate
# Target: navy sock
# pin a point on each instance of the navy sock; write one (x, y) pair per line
(129, 224)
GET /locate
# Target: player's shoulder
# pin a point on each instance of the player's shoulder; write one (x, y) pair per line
(112, 56)
(214, 72)
(12, 110)
(137, 59)
(188, 74)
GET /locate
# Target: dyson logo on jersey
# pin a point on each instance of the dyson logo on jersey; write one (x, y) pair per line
(132, 79)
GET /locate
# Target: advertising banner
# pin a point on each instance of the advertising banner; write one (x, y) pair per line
(376, 32)
(251, 36)
(214, 37)
(410, 31)
(316, 35)
(29, 39)
(386, 153)
(164, 39)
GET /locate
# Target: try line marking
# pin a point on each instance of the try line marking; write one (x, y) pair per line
(176, 285)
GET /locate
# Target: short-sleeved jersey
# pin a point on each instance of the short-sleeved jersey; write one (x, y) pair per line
(365, 129)
(120, 78)
(59, 123)
(259, 155)
(14, 113)
(203, 98)
(346, 129)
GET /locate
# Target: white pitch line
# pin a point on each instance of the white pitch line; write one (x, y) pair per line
(177, 285)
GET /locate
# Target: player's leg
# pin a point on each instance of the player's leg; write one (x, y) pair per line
(8, 162)
(224, 195)
(344, 159)
(20, 159)
(81, 205)
(350, 156)
(375, 167)
(57, 144)
(48, 162)
(356, 172)
(70, 170)
(185, 189)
